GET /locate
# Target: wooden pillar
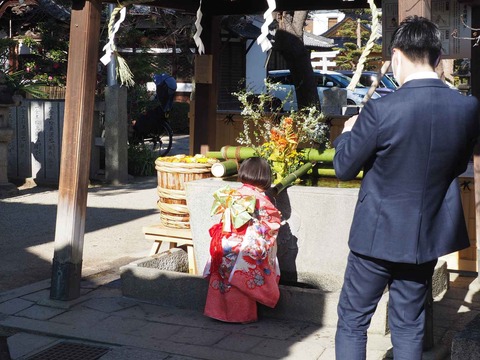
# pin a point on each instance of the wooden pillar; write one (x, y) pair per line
(414, 7)
(206, 94)
(75, 158)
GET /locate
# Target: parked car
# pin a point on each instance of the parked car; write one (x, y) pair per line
(385, 86)
(461, 89)
(391, 77)
(325, 80)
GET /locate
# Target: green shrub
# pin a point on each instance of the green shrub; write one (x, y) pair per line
(141, 160)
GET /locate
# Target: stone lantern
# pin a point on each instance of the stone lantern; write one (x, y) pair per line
(6, 135)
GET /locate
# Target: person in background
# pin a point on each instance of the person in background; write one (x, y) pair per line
(243, 267)
(412, 145)
(150, 122)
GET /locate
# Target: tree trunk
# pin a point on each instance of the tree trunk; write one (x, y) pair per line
(289, 42)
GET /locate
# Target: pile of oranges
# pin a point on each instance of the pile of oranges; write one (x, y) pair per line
(187, 159)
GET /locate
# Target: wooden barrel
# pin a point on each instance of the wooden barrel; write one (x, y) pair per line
(172, 202)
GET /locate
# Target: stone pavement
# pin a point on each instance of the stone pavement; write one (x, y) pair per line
(103, 324)
(130, 329)
(113, 227)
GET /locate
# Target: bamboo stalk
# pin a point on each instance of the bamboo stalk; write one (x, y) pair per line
(225, 168)
(330, 172)
(238, 152)
(290, 178)
(214, 154)
(315, 155)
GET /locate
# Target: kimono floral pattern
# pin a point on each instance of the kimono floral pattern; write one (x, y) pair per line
(249, 269)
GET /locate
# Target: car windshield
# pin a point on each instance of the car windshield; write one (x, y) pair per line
(389, 83)
(344, 80)
(338, 79)
(391, 77)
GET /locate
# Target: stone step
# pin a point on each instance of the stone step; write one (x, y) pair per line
(296, 303)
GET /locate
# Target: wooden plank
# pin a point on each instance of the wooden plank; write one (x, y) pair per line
(229, 126)
(174, 237)
(171, 239)
(203, 69)
(160, 229)
(192, 265)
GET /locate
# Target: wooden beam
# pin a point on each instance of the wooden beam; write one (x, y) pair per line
(188, 6)
(240, 7)
(414, 7)
(76, 145)
(245, 7)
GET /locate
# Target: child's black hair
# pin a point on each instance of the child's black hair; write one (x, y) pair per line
(255, 171)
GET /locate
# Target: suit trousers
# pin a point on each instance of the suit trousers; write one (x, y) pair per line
(365, 281)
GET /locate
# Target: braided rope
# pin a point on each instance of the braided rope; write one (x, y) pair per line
(123, 71)
(173, 209)
(368, 47)
(175, 224)
(171, 193)
(182, 168)
(376, 82)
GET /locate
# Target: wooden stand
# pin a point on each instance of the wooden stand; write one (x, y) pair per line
(175, 237)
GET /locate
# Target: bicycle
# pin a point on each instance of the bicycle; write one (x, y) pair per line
(153, 130)
(160, 142)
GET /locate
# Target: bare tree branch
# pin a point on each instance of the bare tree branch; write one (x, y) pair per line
(475, 33)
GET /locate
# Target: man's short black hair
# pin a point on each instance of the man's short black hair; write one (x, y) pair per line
(419, 39)
(257, 172)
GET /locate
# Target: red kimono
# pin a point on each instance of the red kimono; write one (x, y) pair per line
(243, 268)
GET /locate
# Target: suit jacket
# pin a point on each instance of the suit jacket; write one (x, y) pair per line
(412, 145)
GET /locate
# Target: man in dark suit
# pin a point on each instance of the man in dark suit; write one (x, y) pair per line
(412, 145)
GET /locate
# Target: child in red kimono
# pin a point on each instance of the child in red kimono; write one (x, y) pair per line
(243, 268)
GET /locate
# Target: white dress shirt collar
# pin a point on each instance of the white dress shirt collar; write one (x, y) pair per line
(421, 75)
